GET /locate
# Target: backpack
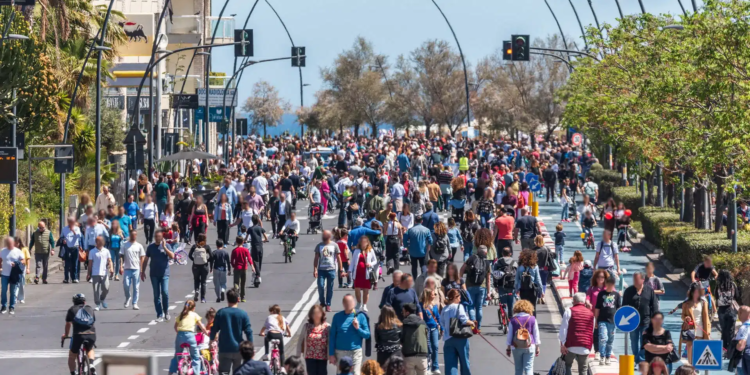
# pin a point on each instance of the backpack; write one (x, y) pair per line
(441, 245)
(527, 281)
(508, 280)
(84, 318)
(522, 338)
(477, 270)
(467, 232)
(200, 256)
(360, 187)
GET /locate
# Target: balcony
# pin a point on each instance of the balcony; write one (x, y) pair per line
(184, 29)
(225, 30)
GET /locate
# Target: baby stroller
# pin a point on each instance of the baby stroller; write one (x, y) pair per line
(404, 258)
(315, 211)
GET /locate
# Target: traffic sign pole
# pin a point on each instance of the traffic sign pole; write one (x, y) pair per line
(627, 319)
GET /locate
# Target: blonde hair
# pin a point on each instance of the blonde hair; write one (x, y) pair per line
(539, 241)
(523, 306)
(426, 298)
(276, 309)
(440, 229)
(559, 228)
(458, 183)
(371, 367)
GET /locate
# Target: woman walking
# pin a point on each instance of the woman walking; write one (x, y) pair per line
(440, 248)
(199, 218)
(201, 256)
(545, 259)
(115, 244)
(728, 300)
(313, 343)
(523, 351)
(528, 283)
(469, 228)
(431, 309)
(149, 218)
(362, 267)
(388, 333)
(394, 238)
(695, 318)
(455, 350)
(223, 217)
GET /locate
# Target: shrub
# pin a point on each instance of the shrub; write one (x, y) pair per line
(630, 197)
(596, 167)
(606, 179)
(738, 265)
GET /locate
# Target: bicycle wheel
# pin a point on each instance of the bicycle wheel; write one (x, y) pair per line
(183, 366)
(83, 362)
(181, 258)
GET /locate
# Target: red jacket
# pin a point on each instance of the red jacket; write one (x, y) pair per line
(241, 259)
(580, 327)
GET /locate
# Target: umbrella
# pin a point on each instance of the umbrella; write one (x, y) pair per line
(188, 155)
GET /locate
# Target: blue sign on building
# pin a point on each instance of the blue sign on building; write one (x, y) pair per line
(215, 114)
(627, 319)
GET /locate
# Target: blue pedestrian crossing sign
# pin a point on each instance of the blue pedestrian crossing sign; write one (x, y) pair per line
(530, 178)
(707, 354)
(627, 319)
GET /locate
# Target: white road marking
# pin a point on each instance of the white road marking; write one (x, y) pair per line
(96, 362)
(123, 344)
(190, 295)
(63, 353)
(178, 302)
(152, 323)
(133, 337)
(172, 307)
(142, 330)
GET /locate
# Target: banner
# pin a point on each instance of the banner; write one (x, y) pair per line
(139, 29)
(116, 102)
(185, 101)
(216, 114)
(216, 96)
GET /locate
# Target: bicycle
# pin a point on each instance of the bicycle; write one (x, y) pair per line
(588, 238)
(288, 248)
(180, 256)
(502, 315)
(185, 362)
(275, 362)
(83, 363)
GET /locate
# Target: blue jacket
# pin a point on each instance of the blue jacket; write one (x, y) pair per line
(403, 162)
(231, 322)
(343, 336)
(253, 367)
(217, 211)
(537, 279)
(429, 219)
(419, 236)
(357, 233)
(232, 196)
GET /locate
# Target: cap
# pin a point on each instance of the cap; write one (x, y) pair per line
(588, 263)
(345, 364)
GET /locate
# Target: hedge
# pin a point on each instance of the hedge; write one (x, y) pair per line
(683, 245)
(739, 266)
(606, 179)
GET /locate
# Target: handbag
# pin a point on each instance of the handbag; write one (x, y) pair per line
(673, 356)
(82, 255)
(353, 207)
(559, 367)
(459, 330)
(688, 330)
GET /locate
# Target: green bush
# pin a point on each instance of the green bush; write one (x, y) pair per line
(596, 167)
(606, 179)
(738, 265)
(630, 197)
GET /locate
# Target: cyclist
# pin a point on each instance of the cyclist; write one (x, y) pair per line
(588, 223)
(291, 228)
(702, 274)
(504, 276)
(81, 317)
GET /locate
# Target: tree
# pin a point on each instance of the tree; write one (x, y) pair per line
(265, 106)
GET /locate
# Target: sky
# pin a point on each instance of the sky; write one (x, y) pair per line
(395, 27)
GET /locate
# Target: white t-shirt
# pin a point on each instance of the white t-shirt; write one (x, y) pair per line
(99, 258)
(293, 225)
(607, 254)
(261, 185)
(407, 221)
(9, 256)
(247, 218)
(149, 211)
(131, 255)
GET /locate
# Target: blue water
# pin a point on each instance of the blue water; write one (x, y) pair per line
(289, 124)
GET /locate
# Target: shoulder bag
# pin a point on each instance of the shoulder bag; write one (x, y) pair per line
(459, 330)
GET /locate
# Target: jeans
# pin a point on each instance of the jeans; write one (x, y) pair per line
(131, 277)
(101, 288)
(148, 227)
(13, 291)
(316, 366)
(115, 254)
(543, 275)
(186, 338)
(485, 219)
(418, 263)
(565, 210)
(549, 189)
(342, 216)
(455, 352)
(560, 250)
(42, 265)
(446, 201)
(21, 294)
(468, 249)
(161, 294)
(524, 360)
(220, 282)
(583, 363)
(345, 266)
(508, 300)
(71, 263)
(222, 229)
(433, 341)
(606, 338)
(477, 294)
(438, 204)
(635, 344)
(325, 281)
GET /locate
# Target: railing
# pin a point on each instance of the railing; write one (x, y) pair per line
(225, 29)
(184, 25)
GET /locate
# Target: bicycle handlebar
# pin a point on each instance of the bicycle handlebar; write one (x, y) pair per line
(62, 342)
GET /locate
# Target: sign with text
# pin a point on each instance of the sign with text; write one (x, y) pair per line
(116, 102)
(215, 96)
(185, 101)
(144, 107)
(8, 165)
(215, 114)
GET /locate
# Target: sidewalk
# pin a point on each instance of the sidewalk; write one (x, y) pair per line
(631, 262)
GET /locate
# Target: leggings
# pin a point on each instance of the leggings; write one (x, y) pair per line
(222, 227)
(344, 266)
(148, 226)
(275, 336)
(200, 274)
(198, 229)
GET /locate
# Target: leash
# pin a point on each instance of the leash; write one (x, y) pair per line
(502, 354)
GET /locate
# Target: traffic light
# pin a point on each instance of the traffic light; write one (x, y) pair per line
(507, 50)
(298, 61)
(520, 46)
(244, 49)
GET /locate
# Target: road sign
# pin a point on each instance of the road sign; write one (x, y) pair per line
(185, 101)
(576, 139)
(535, 186)
(245, 49)
(216, 96)
(8, 165)
(298, 61)
(216, 114)
(707, 354)
(530, 177)
(627, 319)
(242, 126)
(64, 165)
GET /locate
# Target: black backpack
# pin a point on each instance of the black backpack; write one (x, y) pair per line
(441, 245)
(508, 281)
(527, 281)
(477, 270)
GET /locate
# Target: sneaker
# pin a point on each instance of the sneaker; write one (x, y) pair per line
(203, 300)
(602, 362)
(243, 300)
(597, 356)
(22, 301)
(259, 280)
(264, 358)
(104, 304)
(36, 280)
(221, 297)
(127, 303)
(167, 317)
(160, 318)
(135, 307)
(12, 311)
(97, 308)
(218, 300)
(65, 281)
(44, 282)
(436, 372)
(75, 281)
(294, 251)
(3, 310)
(328, 308)
(364, 308)
(607, 361)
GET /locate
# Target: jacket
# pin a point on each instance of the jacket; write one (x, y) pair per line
(287, 208)
(537, 279)
(388, 340)
(370, 259)
(253, 367)
(217, 212)
(687, 311)
(414, 337)
(42, 242)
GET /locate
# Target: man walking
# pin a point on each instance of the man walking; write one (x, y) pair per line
(325, 265)
(348, 329)
(419, 239)
(104, 200)
(220, 265)
(44, 246)
(577, 334)
(527, 228)
(72, 242)
(414, 341)
(642, 298)
(232, 322)
(100, 265)
(159, 254)
(550, 178)
(163, 195)
(133, 255)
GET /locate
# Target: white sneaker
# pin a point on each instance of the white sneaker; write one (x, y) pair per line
(127, 303)
(97, 308)
(160, 318)
(602, 362)
(259, 280)
(607, 361)
(358, 307)
(264, 358)
(364, 308)
(294, 251)
(597, 356)
(22, 301)
(135, 307)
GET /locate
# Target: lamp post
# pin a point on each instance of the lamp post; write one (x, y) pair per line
(98, 123)
(565, 43)
(583, 32)
(463, 61)
(207, 72)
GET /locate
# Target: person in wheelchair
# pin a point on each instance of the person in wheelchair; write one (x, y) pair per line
(291, 228)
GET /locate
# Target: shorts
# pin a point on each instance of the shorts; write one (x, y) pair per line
(88, 340)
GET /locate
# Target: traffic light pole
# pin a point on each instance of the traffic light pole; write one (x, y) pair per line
(556, 57)
(207, 71)
(562, 34)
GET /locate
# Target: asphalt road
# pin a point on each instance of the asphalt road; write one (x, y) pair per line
(31, 338)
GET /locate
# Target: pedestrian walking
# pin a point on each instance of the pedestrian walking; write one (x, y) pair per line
(21, 297)
(158, 254)
(348, 329)
(116, 238)
(477, 271)
(414, 341)
(220, 264)
(326, 264)
(132, 255)
(528, 283)
(388, 333)
(577, 334)
(11, 268)
(201, 255)
(71, 245)
(313, 343)
(230, 324)
(642, 298)
(728, 299)
(100, 266)
(150, 214)
(419, 237)
(455, 349)
(696, 321)
(44, 245)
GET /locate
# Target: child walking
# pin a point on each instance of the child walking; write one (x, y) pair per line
(559, 243)
(275, 328)
(573, 272)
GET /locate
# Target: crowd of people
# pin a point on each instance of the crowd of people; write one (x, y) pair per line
(388, 193)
